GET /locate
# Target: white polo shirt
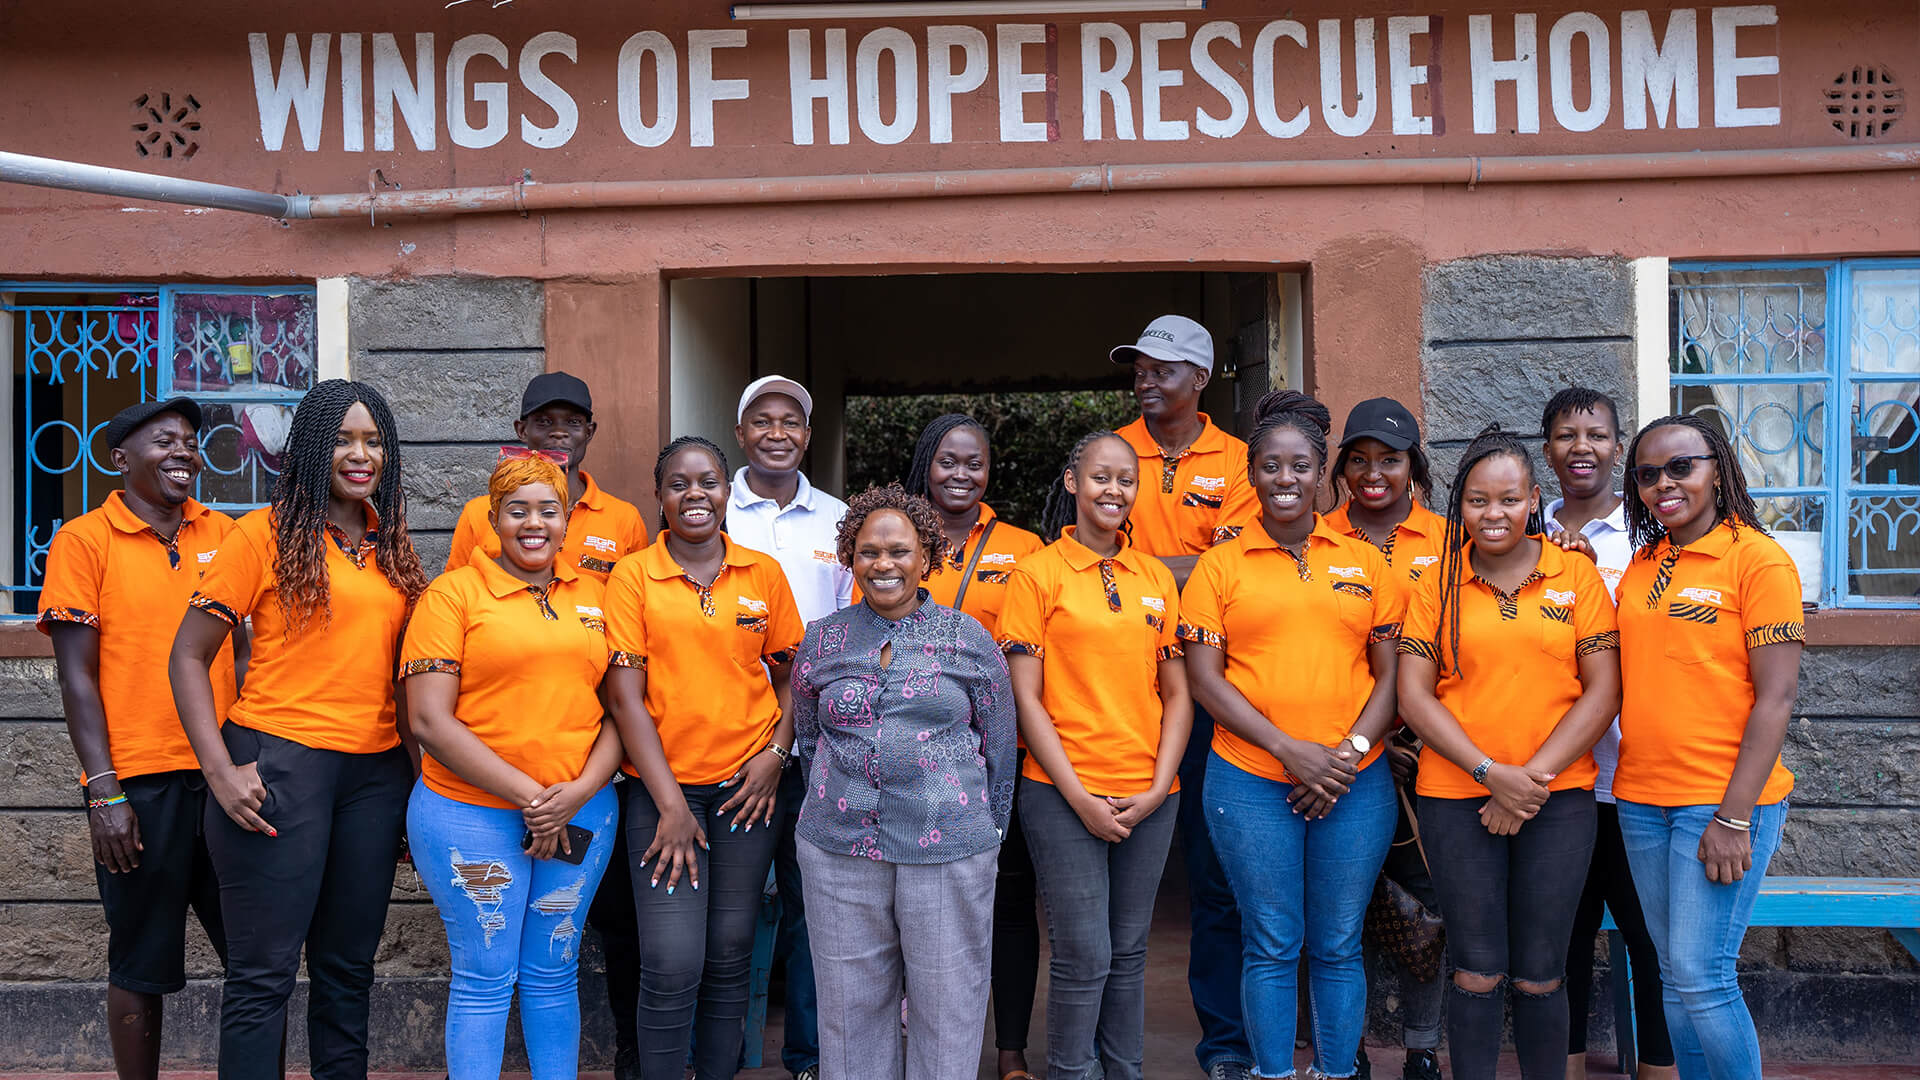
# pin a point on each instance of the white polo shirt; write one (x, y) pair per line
(1612, 547)
(802, 536)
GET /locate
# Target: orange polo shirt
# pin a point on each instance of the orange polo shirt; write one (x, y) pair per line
(329, 686)
(1519, 669)
(1411, 547)
(1100, 628)
(702, 650)
(529, 662)
(1191, 502)
(1006, 548)
(1295, 633)
(110, 570)
(1688, 616)
(601, 529)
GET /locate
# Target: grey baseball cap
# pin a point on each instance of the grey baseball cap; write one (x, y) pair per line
(1173, 338)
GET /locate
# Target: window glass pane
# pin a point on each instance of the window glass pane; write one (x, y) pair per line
(1749, 322)
(1885, 331)
(242, 343)
(1797, 522)
(1775, 427)
(1886, 320)
(1884, 547)
(241, 445)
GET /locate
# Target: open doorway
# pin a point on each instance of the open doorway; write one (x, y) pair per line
(874, 349)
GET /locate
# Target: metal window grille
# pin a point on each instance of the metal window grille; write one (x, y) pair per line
(1813, 371)
(83, 352)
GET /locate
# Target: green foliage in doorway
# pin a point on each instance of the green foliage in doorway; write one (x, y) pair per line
(1031, 436)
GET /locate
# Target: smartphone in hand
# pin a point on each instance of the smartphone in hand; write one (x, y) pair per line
(578, 839)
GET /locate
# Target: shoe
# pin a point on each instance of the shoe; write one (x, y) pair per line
(1363, 1066)
(1421, 1065)
(1230, 1070)
(811, 1072)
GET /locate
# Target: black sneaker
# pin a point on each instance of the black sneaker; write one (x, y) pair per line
(1421, 1065)
(1230, 1070)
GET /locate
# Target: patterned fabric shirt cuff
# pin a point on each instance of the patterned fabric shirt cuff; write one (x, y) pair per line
(215, 608)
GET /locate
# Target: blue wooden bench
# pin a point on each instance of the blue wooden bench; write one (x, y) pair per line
(1881, 903)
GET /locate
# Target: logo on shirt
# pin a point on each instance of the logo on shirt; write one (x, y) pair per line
(825, 556)
(1154, 602)
(206, 557)
(998, 558)
(1424, 561)
(1702, 596)
(582, 609)
(601, 543)
(1347, 571)
(1562, 598)
(758, 607)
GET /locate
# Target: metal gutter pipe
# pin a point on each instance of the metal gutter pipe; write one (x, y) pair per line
(524, 198)
(124, 183)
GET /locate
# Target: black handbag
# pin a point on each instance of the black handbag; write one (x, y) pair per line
(1399, 925)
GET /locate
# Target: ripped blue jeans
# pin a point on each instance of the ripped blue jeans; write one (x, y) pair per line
(510, 919)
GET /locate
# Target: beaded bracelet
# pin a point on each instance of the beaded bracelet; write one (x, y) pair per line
(87, 781)
(114, 800)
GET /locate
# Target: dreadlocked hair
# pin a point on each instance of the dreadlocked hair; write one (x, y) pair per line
(1060, 510)
(936, 432)
(1493, 441)
(926, 523)
(1731, 501)
(1303, 413)
(305, 486)
(512, 474)
(1574, 400)
(668, 451)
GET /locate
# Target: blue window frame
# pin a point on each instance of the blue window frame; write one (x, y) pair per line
(83, 351)
(1813, 370)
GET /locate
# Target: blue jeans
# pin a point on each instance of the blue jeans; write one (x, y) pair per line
(1214, 950)
(510, 919)
(1697, 927)
(1301, 884)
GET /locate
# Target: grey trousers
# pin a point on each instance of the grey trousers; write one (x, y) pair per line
(883, 930)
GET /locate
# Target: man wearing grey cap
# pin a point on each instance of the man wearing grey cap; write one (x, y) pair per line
(1193, 493)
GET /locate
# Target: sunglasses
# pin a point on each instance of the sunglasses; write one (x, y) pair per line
(522, 453)
(1679, 468)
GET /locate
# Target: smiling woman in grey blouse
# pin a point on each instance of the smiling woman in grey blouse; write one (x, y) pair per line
(905, 723)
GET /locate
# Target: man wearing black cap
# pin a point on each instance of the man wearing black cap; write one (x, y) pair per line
(556, 414)
(118, 579)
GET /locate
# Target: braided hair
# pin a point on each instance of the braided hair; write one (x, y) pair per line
(1732, 503)
(1060, 510)
(305, 487)
(936, 432)
(668, 451)
(1492, 442)
(1303, 413)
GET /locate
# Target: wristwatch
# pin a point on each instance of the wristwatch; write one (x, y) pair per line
(785, 755)
(1361, 743)
(1480, 771)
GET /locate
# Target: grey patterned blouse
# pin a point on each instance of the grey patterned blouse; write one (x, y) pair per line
(912, 762)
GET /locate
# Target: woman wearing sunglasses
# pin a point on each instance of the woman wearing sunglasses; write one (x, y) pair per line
(512, 820)
(1710, 639)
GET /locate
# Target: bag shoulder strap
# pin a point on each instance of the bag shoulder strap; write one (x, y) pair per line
(1413, 822)
(966, 576)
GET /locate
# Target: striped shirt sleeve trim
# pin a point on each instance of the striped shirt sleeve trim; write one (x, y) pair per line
(1168, 652)
(1422, 649)
(433, 664)
(1594, 643)
(215, 608)
(1016, 647)
(619, 658)
(1200, 636)
(1383, 632)
(1779, 633)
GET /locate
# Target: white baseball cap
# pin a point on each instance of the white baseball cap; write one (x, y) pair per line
(774, 384)
(1173, 338)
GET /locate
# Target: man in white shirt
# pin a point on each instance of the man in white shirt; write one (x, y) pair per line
(773, 509)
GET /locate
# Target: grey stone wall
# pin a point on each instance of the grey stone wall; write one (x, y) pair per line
(452, 356)
(1503, 333)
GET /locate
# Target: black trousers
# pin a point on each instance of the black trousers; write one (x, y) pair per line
(1509, 903)
(321, 884)
(1610, 885)
(1016, 937)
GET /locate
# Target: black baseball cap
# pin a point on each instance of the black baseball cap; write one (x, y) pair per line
(555, 386)
(1382, 418)
(129, 420)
